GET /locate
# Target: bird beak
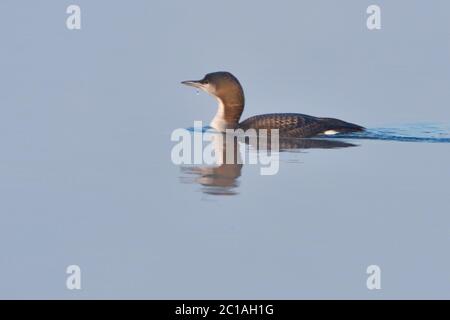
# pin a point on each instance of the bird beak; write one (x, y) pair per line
(193, 83)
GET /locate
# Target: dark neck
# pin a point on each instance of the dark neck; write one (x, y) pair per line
(233, 111)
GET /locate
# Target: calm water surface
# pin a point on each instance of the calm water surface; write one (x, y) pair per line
(143, 227)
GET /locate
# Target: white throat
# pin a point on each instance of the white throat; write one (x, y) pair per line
(219, 123)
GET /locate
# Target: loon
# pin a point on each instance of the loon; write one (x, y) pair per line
(226, 88)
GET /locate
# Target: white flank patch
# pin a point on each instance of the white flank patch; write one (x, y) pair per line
(330, 132)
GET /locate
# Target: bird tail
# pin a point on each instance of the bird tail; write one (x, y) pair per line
(341, 126)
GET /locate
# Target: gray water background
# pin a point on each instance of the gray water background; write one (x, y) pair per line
(86, 176)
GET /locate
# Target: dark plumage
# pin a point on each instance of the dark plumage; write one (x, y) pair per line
(297, 125)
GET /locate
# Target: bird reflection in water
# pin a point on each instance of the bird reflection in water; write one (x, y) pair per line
(222, 178)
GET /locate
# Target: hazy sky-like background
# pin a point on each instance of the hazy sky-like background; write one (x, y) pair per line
(85, 170)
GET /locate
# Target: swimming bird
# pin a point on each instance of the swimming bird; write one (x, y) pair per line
(229, 93)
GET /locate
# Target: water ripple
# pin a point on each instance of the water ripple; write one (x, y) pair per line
(427, 133)
(418, 132)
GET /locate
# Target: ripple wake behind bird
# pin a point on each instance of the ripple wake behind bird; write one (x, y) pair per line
(425, 133)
